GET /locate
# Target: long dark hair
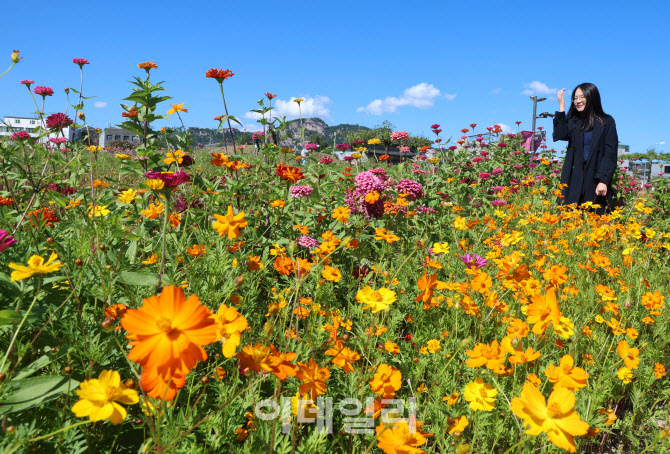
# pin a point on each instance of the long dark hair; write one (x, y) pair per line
(593, 110)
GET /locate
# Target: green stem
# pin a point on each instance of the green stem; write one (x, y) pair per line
(60, 430)
(228, 116)
(164, 233)
(10, 67)
(23, 320)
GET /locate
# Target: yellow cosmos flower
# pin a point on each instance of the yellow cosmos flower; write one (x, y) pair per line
(123, 157)
(556, 418)
(374, 142)
(36, 265)
(299, 100)
(177, 108)
(625, 375)
(93, 148)
(97, 211)
(480, 395)
(127, 196)
(173, 156)
(99, 398)
(376, 300)
(434, 346)
(441, 248)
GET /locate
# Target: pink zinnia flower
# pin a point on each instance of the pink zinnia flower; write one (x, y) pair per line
(502, 145)
(498, 203)
(411, 187)
(300, 191)
(404, 149)
(490, 128)
(308, 242)
(326, 160)
(57, 121)
(435, 126)
(43, 91)
(517, 122)
(58, 140)
(311, 146)
(497, 171)
(399, 135)
(27, 83)
(343, 146)
(80, 61)
(437, 130)
(484, 175)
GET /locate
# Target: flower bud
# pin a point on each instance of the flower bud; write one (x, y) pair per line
(346, 337)
(10, 430)
(130, 383)
(15, 57)
(465, 342)
(273, 308)
(204, 380)
(67, 370)
(107, 324)
(239, 280)
(267, 329)
(81, 115)
(292, 246)
(3, 376)
(67, 91)
(458, 434)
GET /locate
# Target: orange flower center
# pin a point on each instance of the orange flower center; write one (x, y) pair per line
(110, 392)
(554, 410)
(483, 392)
(376, 296)
(165, 324)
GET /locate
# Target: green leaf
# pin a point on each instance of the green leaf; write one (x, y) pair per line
(135, 278)
(41, 362)
(9, 316)
(33, 392)
(234, 119)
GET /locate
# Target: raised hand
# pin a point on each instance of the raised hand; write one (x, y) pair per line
(561, 101)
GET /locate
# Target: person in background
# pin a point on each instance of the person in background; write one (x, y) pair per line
(304, 153)
(591, 154)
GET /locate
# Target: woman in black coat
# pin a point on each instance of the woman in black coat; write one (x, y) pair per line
(591, 155)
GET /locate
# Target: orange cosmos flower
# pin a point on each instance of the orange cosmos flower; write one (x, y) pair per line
(398, 438)
(567, 376)
(230, 324)
(385, 235)
(198, 250)
(219, 74)
(219, 159)
(230, 223)
(313, 378)
(131, 113)
(331, 274)
(175, 219)
(543, 310)
(490, 356)
(386, 381)
(254, 263)
(302, 229)
(659, 370)
(167, 333)
(628, 354)
(117, 310)
(283, 265)
(341, 214)
(392, 347)
(556, 275)
(427, 285)
(159, 387)
(282, 365)
(653, 301)
(343, 357)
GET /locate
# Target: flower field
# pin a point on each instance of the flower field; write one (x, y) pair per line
(177, 299)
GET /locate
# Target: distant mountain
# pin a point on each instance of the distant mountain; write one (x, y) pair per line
(208, 136)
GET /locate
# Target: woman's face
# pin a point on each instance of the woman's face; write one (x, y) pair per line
(579, 100)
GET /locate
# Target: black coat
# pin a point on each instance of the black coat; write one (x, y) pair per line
(582, 177)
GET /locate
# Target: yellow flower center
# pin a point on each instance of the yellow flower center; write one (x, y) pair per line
(376, 296)
(483, 392)
(110, 392)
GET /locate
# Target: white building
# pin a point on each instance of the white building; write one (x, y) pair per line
(30, 125)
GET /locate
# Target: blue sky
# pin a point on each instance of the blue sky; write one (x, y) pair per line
(412, 63)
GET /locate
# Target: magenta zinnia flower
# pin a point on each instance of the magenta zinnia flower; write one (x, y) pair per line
(21, 135)
(170, 179)
(43, 91)
(399, 135)
(326, 160)
(311, 146)
(343, 146)
(57, 121)
(27, 83)
(435, 126)
(411, 187)
(6, 240)
(80, 61)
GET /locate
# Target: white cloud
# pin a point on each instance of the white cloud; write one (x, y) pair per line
(661, 143)
(496, 91)
(311, 107)
(99, 104)
(538, 88)
(422, 96)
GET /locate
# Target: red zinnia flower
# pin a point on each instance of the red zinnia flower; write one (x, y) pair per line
(58, 121)
(472, 125)
(289, 173)
(219, 74)
(43, 216)
(270, 95)
(435, 126)
(80, 61)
